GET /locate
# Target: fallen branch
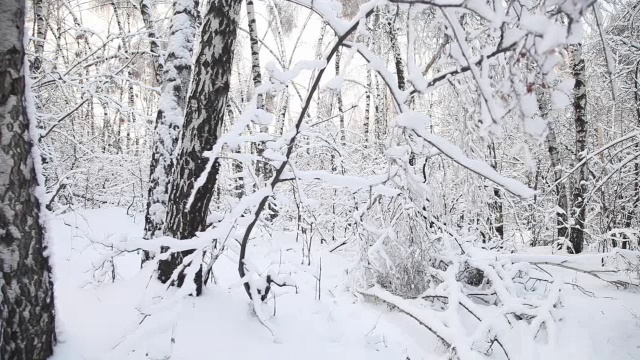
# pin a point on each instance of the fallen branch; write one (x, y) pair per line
(394, 305)
(617, 283)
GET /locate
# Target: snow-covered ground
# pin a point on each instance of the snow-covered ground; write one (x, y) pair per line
(98, 319)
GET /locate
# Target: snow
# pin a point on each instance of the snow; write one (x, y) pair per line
(335, 84)
(350, 182)
(285, 76)
(536, 127)
(560, 99)
(416, 122)
(100, 319)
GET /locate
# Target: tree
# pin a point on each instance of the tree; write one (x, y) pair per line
(562, 202)
(193, 182)
(263, 170)
(27, 323)
(255, 51)
(256, 75)
(154, 46)
(170, 116)
(41, 34)
(576, 236)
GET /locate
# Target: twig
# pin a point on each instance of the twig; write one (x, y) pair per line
(617, 283)
(338, 246)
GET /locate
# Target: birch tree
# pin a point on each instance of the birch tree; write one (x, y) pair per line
(41, 34)
(580, 118)
(154, 45)
(170, 116)
(27, 326)
(562, 209)
(190, 195)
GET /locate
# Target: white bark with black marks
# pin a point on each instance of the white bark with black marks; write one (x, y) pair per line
(175, 85)
(577, 233)
(41, 35)
(27, 326)
(255, 51)
(204, 118)
(562, 203)
(154, 46)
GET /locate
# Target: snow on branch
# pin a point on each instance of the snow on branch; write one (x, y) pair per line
(416, 123)
(513, 303)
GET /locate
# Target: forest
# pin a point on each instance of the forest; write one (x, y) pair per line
(320, 179)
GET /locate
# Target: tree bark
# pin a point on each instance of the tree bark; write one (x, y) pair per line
(130, 117)
(255, 51)
(41, 35)
(170, 116)
(339, 99)
(636, 186)
(204, 118)
(497, 218)
(380, 113)
(27, 327)
(580, 118)
(555, 160)
(154, 46)
(397, 56)
(562, 204)
(367, 108)
(261, 168)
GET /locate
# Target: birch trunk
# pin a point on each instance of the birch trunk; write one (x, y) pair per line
(562, 204)
(260, 167)
(397, 56)
(41, 35)
(170, 116)
(339, 99)
(263, 170)
(154, 46)
(580, 118)
(497, 218)
(27, 327)
(203, 122)
(380, 114)
(636, 186)
(367, 108)
(555, 160)
(255, 51)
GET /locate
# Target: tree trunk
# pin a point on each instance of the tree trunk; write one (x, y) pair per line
(379, 100)
(204, 118)
(367, 108)
(26, 302)
(255, 51)
(154, 46)
(580, 108)
(263, 169)
(260, 167)
(124, 120)
(380, 114)
(497, 218)
(636, 186)
(399, 64)
(131, 119)
(170, 116)
(339, 99)
(41, 35)
(562, 204)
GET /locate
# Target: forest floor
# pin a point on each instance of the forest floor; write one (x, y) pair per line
(101, 319)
